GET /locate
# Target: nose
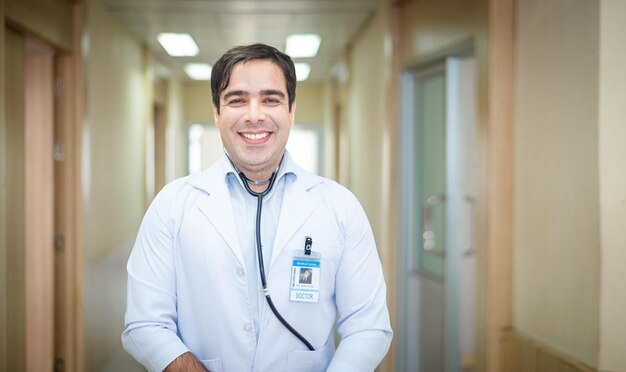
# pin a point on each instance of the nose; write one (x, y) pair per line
(255, 112)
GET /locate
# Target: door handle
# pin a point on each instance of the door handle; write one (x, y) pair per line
(428, 234)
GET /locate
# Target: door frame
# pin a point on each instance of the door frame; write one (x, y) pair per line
(68, 134)
(46, 303)
(69, 106)
(39, 203)
(406, 198)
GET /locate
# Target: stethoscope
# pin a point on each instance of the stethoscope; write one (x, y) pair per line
(259, 196)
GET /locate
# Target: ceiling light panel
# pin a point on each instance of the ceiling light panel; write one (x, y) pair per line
(302, 71)
(302, 45)
(178, 45)
(198, 71)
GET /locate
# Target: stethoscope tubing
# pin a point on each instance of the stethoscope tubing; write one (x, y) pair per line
(266, 292)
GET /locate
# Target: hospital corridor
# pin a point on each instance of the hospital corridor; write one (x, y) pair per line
(484, 139)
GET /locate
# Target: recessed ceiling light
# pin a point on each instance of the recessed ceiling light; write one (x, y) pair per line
(198, 71)
(302, 71)
(178, 45)
(302, 45)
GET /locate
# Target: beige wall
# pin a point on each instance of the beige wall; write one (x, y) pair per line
(612, 166)
(369, 133)
(160, 91)
(330, 124)
(310, 99)
(114, 155)
(3, 198)
(570, 209)
(336, 123)
(176, 147)
(557, 240)
(367, 120)
(197, 106)
(168, 94)
(114, 185)
(49, 19)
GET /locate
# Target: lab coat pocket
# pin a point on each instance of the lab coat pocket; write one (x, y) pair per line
(213, 365)
(308, 361)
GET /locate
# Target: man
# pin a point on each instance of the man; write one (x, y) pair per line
(196, 296)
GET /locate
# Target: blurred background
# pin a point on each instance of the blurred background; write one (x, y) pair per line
(486, 140)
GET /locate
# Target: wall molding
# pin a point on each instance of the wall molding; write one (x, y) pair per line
(521, 353)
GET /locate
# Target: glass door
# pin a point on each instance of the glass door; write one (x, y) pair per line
(429, 274)
(436, 313)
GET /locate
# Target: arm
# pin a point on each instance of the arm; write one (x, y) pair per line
(363, 323)
(151, 316)
(185, 363)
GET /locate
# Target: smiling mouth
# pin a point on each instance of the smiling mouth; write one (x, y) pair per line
(255, 136)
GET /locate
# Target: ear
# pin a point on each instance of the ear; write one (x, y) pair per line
(216, 116)
(292, 114)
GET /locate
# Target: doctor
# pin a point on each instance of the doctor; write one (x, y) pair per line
(196, 299)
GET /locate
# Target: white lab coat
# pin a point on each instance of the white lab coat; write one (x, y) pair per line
(187, 289)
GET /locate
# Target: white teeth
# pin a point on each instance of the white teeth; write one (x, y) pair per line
(255, 137)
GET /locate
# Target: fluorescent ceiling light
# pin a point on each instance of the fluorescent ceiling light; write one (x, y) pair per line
(198, 71)
(178, 45)
(302, 45)
(302, 71)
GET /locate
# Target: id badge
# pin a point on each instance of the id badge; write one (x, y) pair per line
(305, 277)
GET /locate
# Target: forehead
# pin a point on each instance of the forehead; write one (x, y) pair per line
(256, 75)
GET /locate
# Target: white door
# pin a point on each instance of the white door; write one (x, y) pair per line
(436, 277)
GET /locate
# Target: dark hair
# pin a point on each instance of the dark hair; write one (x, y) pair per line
(223, 68)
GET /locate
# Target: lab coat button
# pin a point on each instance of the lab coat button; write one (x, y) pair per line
(241, 272)
(247, 327)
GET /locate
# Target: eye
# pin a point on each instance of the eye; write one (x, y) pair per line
(272, 101)
(236, 102)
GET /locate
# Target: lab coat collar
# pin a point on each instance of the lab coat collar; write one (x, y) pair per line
(297, 205)
(217, 207)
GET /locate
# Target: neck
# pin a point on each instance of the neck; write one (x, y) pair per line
(257, 185)
(257, 179)
(258, 188)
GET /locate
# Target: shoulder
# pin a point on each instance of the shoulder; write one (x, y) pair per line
(341, 205)
(180, 190)
(331, 194)
(334, 191)
(171, 191)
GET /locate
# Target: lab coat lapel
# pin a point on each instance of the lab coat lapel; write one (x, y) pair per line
(217, 208)
(297, 207)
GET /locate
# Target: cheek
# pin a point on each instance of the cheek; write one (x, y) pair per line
(227, 120)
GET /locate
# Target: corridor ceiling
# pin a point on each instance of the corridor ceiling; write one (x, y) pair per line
(217, 25)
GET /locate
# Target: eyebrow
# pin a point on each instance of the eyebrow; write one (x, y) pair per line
(272, 92)
(235, 93)
(264, 92)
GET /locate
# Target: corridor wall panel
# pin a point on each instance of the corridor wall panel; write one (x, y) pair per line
(612, 157)
(15, 218)
(3, 199)
(364, 165)
(114, 176)
(557, 241)
(48, 19)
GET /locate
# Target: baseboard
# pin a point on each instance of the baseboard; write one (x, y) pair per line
(520, 353)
